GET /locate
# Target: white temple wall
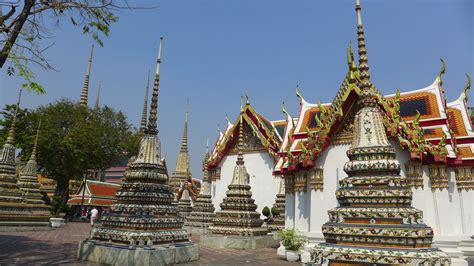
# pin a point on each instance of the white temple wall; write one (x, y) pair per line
(290, 210)
(259, 166)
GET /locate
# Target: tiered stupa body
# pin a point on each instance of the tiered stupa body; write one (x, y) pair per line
(238, 215)
(182, 172)
(278, 221)
(375, 222)
(30, 187)
(143, 214)
(203, 209)
(184, 203)
(14, 212)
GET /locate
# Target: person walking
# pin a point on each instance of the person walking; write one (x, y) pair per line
(94, 214)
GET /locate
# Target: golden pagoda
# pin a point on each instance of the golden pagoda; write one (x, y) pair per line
(375, 222)
(182, 172)
(30, 187)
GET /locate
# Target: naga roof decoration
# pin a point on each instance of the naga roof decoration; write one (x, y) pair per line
(420, 121)
(265, 130)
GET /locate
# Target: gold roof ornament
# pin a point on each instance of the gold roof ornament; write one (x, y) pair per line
(85, 85)
(298, 93)
(466, 88)
(441, 72)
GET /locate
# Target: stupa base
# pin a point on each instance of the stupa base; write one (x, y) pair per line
(166, 254)
(197, 230)
(353, 255)
(237, 242)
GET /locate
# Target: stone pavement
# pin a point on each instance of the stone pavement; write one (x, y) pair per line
(58, 247)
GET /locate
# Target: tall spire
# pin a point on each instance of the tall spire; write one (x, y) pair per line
(366, 83)
(145, 105)
(240, 144)
(85, 86)
(184, 142)
(96, 106)
(35, 145)
(151, 127)
(11, 132)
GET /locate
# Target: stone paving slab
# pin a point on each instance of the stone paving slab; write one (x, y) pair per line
(59, 247)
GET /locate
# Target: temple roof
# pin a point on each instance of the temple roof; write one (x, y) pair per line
(95, 193)
(268, 132)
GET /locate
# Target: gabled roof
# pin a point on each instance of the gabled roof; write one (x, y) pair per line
(265, 130)
(95, 193)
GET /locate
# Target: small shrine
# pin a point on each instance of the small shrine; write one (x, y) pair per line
(184, 203)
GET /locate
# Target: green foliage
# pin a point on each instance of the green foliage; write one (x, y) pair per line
(266, 211)
(275, 211)
(73, 139)
(56, 206)
(291, 240)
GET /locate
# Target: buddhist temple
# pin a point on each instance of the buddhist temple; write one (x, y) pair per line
(238, 214)
(142, 227)
(30, 187)
(277, 222)
(262, 140)
(182, 172)
(14, 210)
(203, 209)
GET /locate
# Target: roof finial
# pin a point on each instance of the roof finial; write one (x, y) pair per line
(247, 101)
(96, 106)
(298, 93)
(152, 127)
(366, 83)
(240, 143)
(241, 104)
(467, 87)
(35, 145)
(11, 132)
(145, 104)
(85, 86)
(441, 72)
(288, 117)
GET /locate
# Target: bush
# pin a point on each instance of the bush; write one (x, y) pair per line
(266, 212)
(291, 240)
(275, 211)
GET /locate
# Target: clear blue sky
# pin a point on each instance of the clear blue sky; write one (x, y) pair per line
(214, 51)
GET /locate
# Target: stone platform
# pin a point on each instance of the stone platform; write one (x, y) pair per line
(238, 242)
(166, 254)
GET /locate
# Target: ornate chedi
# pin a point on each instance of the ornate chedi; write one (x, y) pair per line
(238, 215)
(203, 209)
(375, 222)
(182, 172)
(184, 203)
(14, 211)
(142, 225)
(85, 87)
(30, 187)
(278, 221)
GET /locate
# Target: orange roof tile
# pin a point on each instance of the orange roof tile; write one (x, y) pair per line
(459, 127)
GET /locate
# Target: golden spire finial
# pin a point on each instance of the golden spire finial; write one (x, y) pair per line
(35, 145)
(11, 131)
(96, 106)
(441, 72)
(247, 101)
(145, 104)
(467, 87)
(85, 86)
(241, 104)
(152, 128)
(283, 109)
(298, 93)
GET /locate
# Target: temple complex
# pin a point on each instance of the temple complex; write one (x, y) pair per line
(262, 140)
(203, 209)
(277, 222)
(143, 226)
(182, 172)
(30, 187)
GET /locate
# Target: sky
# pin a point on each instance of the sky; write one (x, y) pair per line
(216, 51)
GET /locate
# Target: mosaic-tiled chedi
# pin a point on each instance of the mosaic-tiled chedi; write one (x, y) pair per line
(278, 221)
(238, 215)
(375, 222)
(143, 214)
(203, 209)
(184, 203)
(30, 187)
(182, 172)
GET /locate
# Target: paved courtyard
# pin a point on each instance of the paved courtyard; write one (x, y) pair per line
(58, 247)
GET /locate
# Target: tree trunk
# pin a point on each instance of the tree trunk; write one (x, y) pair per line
(13, 35)
(62, 190)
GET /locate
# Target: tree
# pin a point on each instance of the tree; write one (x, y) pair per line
(74, 139)
(25, 27)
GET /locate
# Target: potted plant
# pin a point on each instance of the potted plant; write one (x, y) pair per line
(56, 209)
(292, 242)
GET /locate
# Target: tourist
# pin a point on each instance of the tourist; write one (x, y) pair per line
(94, 214)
